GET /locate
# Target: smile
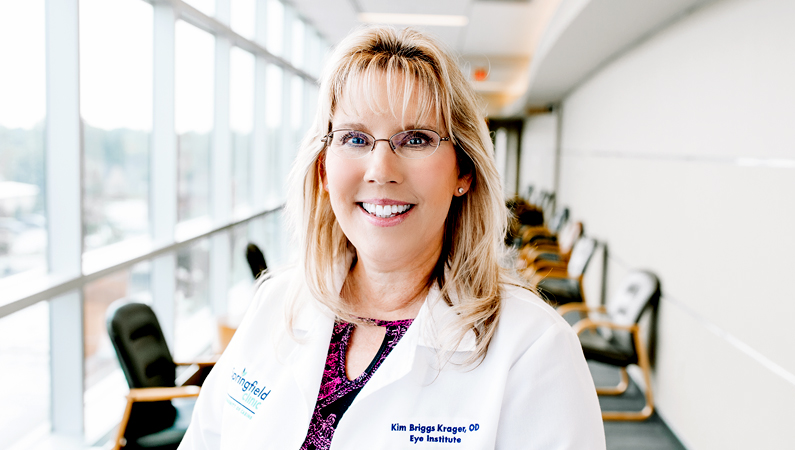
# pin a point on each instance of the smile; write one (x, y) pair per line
(385, 211)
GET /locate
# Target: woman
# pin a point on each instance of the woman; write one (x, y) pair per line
(398, 327)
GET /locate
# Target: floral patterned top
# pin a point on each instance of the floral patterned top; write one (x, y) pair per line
(337, 392)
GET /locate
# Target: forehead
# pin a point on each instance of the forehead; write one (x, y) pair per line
(399, 97)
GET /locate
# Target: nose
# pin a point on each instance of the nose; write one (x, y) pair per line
(383, 165)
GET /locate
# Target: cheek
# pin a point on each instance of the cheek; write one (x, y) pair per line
(341, 179)
(336, 174)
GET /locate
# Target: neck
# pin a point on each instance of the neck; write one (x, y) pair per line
(393, 294)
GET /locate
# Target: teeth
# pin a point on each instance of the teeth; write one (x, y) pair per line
(385, 211)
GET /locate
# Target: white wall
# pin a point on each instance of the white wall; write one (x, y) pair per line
(537, 160)
(680, 154)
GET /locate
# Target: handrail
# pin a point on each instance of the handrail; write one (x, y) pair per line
(16, 295)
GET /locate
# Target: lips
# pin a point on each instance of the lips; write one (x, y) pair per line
(385, 211)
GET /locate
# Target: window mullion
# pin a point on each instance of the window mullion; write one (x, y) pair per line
(64, 210)
(221, 169)
(163, 169)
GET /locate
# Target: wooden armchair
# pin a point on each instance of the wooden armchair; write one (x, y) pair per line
(150, 419)
(561, 281)
(611, 335)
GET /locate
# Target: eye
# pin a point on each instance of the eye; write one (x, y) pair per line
(354, 139)
(417, 138)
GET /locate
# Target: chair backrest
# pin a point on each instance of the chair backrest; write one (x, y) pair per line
(568, 235)
(581, 255)
(140, 345)
(637, 290)
(558, 220)
(256, 260)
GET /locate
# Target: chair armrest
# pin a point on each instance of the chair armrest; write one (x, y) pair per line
(545, 264)
(204, 363)
(535, 276)
(579, 307)
(157, 394)
(586, 324)
(154, 394)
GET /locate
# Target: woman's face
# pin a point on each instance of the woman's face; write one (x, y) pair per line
(419, 190)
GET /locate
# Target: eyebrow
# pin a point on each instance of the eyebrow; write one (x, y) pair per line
(362, 127)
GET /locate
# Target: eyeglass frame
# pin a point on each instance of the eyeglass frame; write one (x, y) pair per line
(327, 141)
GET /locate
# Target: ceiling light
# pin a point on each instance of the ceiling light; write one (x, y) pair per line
(414, 19)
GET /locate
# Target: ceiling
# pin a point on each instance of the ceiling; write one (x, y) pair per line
(500, 35)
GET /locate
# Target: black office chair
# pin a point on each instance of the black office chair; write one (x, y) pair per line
(150, 419)
(614, 337)
(256, 260)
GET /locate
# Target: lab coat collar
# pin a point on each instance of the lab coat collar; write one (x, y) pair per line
(433, 318)
(314, 322)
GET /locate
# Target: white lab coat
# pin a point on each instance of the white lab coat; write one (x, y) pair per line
(532, 391)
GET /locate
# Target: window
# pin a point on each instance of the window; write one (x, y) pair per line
(194, 73)
(23, 236)
(297, 126)
(241, 117)
(243, 17)
(205, 6)
(275, 133)
(134, 62)
(298, 43)
(241, 279)
(193, 317)
(116, 107)
(25, 350)
(275, 28)
(105, 385)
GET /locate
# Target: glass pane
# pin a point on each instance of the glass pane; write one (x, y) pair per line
(194, 326)
(23, 237)
(296, 116)
(105, 385)
(311, 104)
(241, 117)
(298, 43)
(241, 279)
(244, 17)
(205, 6)
(276, 238)
(273, 123)
(194, 73)
(275, 14)
(116, 106)
(25, 352)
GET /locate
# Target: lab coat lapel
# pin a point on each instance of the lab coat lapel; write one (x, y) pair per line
(433, 316)
(312, 327)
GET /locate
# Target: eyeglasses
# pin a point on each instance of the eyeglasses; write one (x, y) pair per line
(411, 144)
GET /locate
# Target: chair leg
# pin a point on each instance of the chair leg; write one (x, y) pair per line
(648, 409)
(120, 441)
(616, 390)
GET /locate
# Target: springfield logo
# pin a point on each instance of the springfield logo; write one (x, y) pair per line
(246, 395)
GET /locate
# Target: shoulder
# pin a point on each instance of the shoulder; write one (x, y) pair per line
(275, 287)
(525, 319)
(274, 292)
(522, 307)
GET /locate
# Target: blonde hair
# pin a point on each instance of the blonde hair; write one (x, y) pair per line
(468, 272)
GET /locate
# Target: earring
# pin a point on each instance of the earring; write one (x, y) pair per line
(460, 190)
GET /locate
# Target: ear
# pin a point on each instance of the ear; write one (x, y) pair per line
(463, 183)
(321, 172)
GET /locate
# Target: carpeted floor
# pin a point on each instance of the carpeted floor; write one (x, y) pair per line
(652, 434)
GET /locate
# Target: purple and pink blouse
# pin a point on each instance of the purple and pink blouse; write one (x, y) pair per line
(337, 392)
